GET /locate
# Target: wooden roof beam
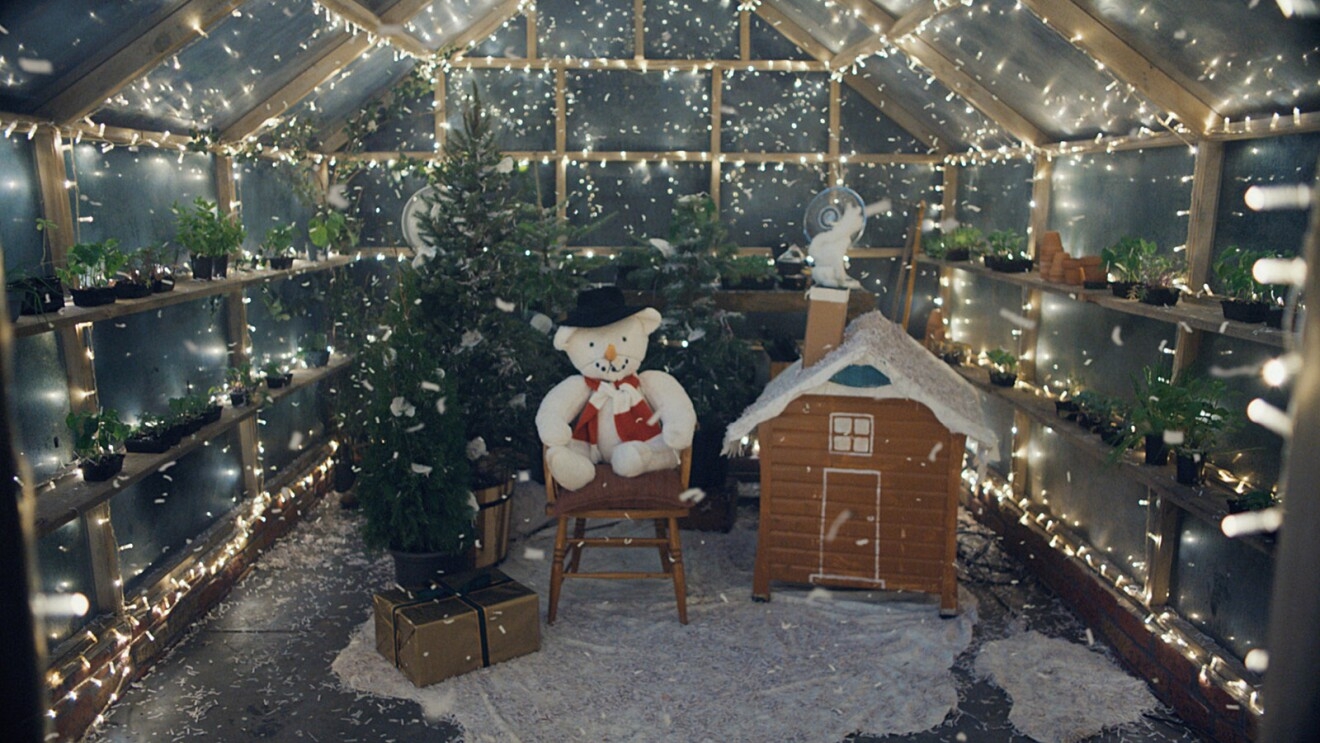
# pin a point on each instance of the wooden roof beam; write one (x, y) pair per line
(1089, 34)
(353, 12)
(487, 25)
(83, 91)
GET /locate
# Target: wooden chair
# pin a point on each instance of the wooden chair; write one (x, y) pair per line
(650, 496)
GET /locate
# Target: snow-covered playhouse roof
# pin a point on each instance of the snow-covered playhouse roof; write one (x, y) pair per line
(872, 343)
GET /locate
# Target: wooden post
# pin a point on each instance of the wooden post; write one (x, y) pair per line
(744, 35)
(716, 126)
(440, 108)
(1163, 520)
(836, 172)
(1041, 187)
(530, 15)
(561, 141)
(639, 29)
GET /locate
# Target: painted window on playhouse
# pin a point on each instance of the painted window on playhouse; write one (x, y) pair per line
(852, 434)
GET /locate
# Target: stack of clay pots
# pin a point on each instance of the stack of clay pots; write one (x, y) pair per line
(1058, 266)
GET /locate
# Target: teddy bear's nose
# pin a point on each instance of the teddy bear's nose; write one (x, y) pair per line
(610, 353)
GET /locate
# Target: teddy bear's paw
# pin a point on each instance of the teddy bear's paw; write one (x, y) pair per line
(570, 469)
(630, 459)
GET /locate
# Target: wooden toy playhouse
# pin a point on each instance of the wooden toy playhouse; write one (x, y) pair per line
(861, 454)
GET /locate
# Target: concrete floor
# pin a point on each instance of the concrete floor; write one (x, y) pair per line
(257, 668)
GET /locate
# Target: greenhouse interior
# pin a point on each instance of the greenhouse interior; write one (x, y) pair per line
(958, 357)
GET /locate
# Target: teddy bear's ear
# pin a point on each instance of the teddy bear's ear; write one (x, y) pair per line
(562, 335)
(650, 318)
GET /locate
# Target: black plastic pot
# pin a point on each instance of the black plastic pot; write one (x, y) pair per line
(960, 254)
(797, 282)
(318, 358)
(132, 289)
(1113, 435)
(239, 399)
(1242, 311)
(423, 569)
(788, 268)
(203, 267)
(155, 442)
(160, 286)
(279, 380)
(1159, 296)
(1191, 467)
(1003, 379)
(94, 297)
(211, 415)
(102, 469)
(279, 264)
(1007, 265)
(1157, 452)
(1122, 289)
(1274, 317)
(1068, 409)
(39, 295)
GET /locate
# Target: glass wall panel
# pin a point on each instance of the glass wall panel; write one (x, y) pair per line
(774, 112)
(380, 197)
(521, 104)
(1100, 349)
(995, 196)
(143, 360)
(1037, 72)
(926, 290)
(293, 425)
(1000, 416)
(64, 563)
(1099, 198)
(763, 204)
(976, 312)
(585, 29)
(1264, 162)
(1251, 452)
(768, 43)
(220, 76)
(636, 198)
(348, 91)
(1090, 498)
(283, 314)
(156, 519)
(691, 30)
(412, 131)
(1222, 586)
(440, 22)
(508, 41)
(616, 110)
(127, 194)
(959, 125)
(66, 35)
(268, 192)
(863, 128)
(21, 243)
(904, 185)
(40, 404)
(832, 24)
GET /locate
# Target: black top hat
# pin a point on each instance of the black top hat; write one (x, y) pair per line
(597, 308)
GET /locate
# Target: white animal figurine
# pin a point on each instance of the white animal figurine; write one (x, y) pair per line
(637, 422)
(828, 250)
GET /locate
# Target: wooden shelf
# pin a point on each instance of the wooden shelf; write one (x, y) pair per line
(1208, 502)
(1194, 314)
(64, 499)
(184, 291)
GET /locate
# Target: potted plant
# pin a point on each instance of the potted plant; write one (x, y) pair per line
(1003, 367)
(97, 440)
(152, 435)
(162, 259)
(932, 244)
(332, 230)
(134, 281)
(192, 412)
(1244, 297)
(90, 270)
(315, 350)
(961, 242)
(277, 374)
(277, 247)
(953, 353)
(1123, 261)
(1207, 419)
(1160, 276)
(1005, 253)
(1065, 405)
(1172, 413)
(209, 236)
(37, 294)
(1252, 500)
(240, 384)
(749, 272)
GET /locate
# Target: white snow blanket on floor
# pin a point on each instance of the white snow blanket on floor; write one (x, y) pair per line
(1061, 691)
(617, 665)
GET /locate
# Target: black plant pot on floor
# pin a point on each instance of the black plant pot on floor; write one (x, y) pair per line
(94, 297)
(102, 469)
(1157, 452)
(422, 569)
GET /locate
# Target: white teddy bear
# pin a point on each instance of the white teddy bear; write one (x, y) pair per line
(637, 422)
(828, 250)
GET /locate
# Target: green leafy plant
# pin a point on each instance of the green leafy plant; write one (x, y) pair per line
(1002, 360)
(240, 378)
(1233, 274)
(1123, 259)
(749, 270)
(189, 407)
(1191, 408)
(205, 232)
(1159, 270)
(966, 238)
(92, 265)
(162, 258)
(278, 242)
(334, 230)
(273, 368)
(933, 245)
(97, 436)
(1005, 244)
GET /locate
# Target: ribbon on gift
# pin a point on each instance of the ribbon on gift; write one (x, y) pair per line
(480, 581)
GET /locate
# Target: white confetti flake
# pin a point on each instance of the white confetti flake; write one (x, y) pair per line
(421, 469)
(692, 495)
(440, 406)
(430, 386)
(400, 406)
(337, 196)
(505, 167)
(1252, 522)
(36, 66)
(1257, 660)
(504, 306)
(532, 553)
(476, 448)
(295, 441)
(415, 429)
(1116, 335)
(935, 450)
(542, 323)
(838, 522)
(1174, 438)
(1018, 320)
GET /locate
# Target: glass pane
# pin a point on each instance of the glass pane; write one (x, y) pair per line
(1037, 72)
(336, 99)
(156, 519)
(763, 204)
(412, 131)
(293, 425)
(691, 30)
(21, 243)
(67, 35)
(1252, 453)
(1211, 51)
(975, 308)
(381, 197)
(996, 196)
(219, 77)
(1264, 162)
(41, 402)
(440, 22)
(863, 128)
(127, 194)
(585, 29)
(832, 24)
(145, 359)
(64, 563)
(926, 290)
(1108, 512)
(638, 198)
(768, 43)
(775, 112)
(614, 110)
(1100, 198)
(1080, 341)
(281, 314)
(509, 40)
(521, 104)
(268, 193)
(958, 124)
(1222, 586)
(1000, 416)
(903, 184)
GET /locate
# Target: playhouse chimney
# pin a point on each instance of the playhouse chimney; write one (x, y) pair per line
(827, 313)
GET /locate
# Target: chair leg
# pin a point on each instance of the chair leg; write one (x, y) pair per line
(680, 583)
(557, 569)
(575, 547)
(660, 533)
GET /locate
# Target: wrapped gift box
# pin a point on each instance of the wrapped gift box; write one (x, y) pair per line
(470, 621)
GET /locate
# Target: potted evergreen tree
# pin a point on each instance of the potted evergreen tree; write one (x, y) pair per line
(209, 237)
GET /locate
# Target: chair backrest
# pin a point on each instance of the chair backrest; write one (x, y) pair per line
(684, 473)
